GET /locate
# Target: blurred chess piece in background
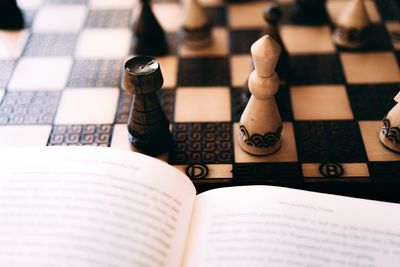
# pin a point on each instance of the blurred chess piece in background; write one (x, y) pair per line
(148, 36)
(196, 31)
(11, 17)
(390, 132)
(352, 26)
(272, 16)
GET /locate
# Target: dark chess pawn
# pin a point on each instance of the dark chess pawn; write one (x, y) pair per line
(148, 126)
(352, 26)
(11, 17)
(149, 37)
(309, 12)
(272, 16)
(390, 132)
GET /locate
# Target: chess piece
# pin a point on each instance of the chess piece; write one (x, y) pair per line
(390, 132)
(261, 124)
(272, 16)
(352, 26)
(149, 37)
(196, 26)
(309, 12)
(11, 17)
(148, 126)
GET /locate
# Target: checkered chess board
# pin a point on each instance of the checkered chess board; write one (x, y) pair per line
(60, 85)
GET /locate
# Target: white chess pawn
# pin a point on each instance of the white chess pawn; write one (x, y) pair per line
(261, 124)
(390, 132)
(352, 26)
(196, 25)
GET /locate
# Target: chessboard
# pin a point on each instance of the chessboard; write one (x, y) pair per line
(60, 84)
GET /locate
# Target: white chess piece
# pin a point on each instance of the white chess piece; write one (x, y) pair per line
(352, 26)
(196, 26)
(390, 132)
(261, 124)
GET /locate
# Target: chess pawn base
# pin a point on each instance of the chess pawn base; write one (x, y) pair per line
(258, 144)
(260, 124)
(390, 132)
(197, 44)
(352, 26)
(348, 40)
(265, 138)
(389, 142)
(149, 146)
(390, 135)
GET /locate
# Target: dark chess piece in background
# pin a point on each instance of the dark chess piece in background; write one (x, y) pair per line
(148, 126)
(309, 12)
(148, 35)
(272, 16)
(11, 17)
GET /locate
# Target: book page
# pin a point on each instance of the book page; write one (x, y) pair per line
(91, 207)
(273, 226)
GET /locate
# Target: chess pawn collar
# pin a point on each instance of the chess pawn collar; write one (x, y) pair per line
(263, 88)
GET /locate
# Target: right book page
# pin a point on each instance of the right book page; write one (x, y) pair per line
(274, 226)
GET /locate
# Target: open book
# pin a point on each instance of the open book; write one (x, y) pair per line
(81, 206)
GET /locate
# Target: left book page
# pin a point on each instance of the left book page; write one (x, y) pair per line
(87, 206)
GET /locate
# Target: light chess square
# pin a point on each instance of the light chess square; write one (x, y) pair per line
(102, 44)
(24, 135)
(91, 106)
(202, 104)
(307, 40)
(40, 73)
(64, 18)
(321, 102)
(372, 67)
(287, 153)
(242, 16)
